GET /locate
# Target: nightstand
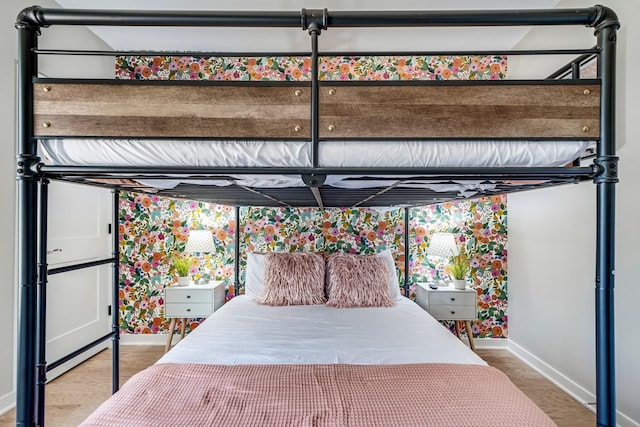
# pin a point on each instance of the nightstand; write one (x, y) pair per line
(186, 302)
(447, 303)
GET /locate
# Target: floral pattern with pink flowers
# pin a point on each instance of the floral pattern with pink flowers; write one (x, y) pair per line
(297, 68)
(152, 228)
(351, 230)
(480, 227)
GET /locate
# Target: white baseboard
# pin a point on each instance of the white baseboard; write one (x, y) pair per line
(146, 339)
(489, 343)
(579, 393)
(7, 402)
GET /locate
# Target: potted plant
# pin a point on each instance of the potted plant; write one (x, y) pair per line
(460, 269)
(182, 265)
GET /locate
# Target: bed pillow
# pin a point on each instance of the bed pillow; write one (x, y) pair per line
(394, 285)
(294, 278)
(254, 275)
(358, 281)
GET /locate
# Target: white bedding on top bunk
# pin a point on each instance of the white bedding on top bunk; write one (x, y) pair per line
(331, 154)
(243, 332)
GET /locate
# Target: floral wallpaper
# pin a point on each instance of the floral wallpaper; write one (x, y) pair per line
(480, 227)
(294, 68)
(152, 228)
(353, 230)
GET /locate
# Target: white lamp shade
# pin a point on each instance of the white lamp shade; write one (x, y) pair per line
(442, 245)
(200, 241)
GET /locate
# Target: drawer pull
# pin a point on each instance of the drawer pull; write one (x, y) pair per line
(188, 310)
(453, 299)
(452, 312)
(188, 296)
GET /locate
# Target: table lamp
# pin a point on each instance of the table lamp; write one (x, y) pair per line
(200, 241)
(442, 245)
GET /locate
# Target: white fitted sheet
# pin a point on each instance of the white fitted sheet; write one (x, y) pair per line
(243, 332)
(331, 154)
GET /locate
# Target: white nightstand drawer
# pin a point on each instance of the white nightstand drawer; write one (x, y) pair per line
(441, 297)
(457, 305)
(177, 295)
(192, 301)
(188, 309)
(452, 312)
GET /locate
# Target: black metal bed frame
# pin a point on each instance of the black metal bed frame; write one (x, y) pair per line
(33, 177)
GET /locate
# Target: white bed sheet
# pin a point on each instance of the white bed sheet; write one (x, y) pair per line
(331, 154)
(243, 332)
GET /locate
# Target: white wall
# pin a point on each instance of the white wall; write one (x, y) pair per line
(8, 43)
(552, 248)
(61, 67)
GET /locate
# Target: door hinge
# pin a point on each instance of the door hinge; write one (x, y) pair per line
(109, 310)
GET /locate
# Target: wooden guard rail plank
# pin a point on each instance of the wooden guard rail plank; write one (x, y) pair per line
(113, 110)
(346, 111)
(480, 111)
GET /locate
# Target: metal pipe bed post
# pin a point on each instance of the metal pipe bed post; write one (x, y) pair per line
(605, 181)
(42, 302)
(317, 24)
(407, 218)
(115, 304)
(236, 255)
(27, 226)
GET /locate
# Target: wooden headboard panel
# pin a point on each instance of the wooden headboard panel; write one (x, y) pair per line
(405, 110)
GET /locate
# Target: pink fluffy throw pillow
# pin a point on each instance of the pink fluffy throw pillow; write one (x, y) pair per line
(358, 281)
(293, 279)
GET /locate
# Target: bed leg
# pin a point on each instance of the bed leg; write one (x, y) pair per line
(467, 327)
(172, 327)
(183, 326)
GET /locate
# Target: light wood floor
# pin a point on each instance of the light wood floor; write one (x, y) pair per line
(71, 397)
(74, 395)
(562, 408)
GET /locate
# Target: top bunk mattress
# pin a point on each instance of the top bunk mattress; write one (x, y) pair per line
(296, 153)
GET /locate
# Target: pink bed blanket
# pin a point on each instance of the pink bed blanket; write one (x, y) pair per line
(193, 395)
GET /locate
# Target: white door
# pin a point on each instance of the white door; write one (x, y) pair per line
(78, 301)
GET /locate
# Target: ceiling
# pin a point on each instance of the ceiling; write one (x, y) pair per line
(332, 40)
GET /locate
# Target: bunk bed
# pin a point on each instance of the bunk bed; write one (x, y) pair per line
(326, 133)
